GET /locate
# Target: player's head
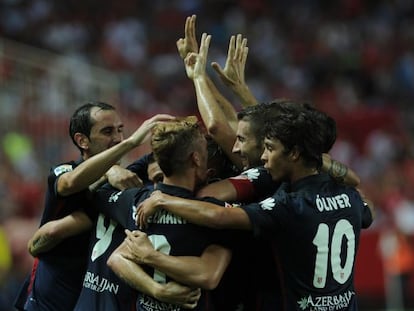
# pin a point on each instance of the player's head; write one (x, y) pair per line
(327, 123)
(179, 146)
(250, 131)
(249, 136)
(95, 127)
(294, 139)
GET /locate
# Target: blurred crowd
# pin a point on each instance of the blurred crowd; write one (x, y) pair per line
(353, 59)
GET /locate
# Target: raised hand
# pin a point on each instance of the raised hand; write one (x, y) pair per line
(189, 43)
(142, 133)
(233, 73)
(195, 63)
(121, 178)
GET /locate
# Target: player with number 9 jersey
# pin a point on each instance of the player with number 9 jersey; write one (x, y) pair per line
(102, 289)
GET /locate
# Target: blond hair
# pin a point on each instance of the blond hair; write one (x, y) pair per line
(173, 142)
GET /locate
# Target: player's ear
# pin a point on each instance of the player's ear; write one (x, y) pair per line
(294, 154)
(195, 157)
(82, 141)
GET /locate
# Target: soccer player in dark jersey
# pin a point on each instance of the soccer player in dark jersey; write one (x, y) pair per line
(116, 294)
(56, 278)
(240, 134)
(180, 149)
(312, 222)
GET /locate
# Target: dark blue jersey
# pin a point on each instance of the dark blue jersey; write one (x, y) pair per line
(314, 228)
(251, 281)
(175, 236)
(57, 275)
(140, 167)
(102, 288)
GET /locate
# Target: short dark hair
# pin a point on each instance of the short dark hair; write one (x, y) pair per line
(300, 128)
(255, 116)
(81, 121)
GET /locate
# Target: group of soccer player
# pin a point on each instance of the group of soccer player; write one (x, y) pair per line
(238, 211)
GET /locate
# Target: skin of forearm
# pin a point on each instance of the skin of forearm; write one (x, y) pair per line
(205, 213)
(219, 126)
(190, 270)
(245, 95)
(42, 244)
(53, 232)
(133, 275)
(199, 214)
(340, 172)
(208, 105)
(225, 106)
(93, 168)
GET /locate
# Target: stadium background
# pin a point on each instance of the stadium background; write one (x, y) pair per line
(352, 58)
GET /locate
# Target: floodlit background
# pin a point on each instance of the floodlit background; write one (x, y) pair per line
(352, 58)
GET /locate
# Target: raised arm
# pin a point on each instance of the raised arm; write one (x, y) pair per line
(53, 232)
(188, 45)
(95, 167)
(137, 278)
(218, 114)
(221, 127)
(233, 73)
(204, 271)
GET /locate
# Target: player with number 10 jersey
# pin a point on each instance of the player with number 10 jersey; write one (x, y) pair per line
(315, 224)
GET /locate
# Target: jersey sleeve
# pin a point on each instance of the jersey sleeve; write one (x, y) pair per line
(367, 218)
(253, 184)
(140, 167)
(54, 175)
(267, 216)
(116, 204)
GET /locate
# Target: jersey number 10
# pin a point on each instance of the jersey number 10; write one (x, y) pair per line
(326, 246)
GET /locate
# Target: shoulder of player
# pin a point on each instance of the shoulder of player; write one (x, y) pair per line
(62, 168)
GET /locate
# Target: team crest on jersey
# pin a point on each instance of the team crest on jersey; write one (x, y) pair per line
(114, 197)
(267, 204)
(62, 169)
(252, 173)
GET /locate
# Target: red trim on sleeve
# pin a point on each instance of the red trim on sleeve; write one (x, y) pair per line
(244, 188)
(32, 275)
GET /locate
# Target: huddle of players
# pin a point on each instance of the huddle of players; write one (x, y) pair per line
(283, 235)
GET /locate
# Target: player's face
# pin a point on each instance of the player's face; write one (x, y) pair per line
(107, 131)
(275, 160)
(247, 146)
(154, 172)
